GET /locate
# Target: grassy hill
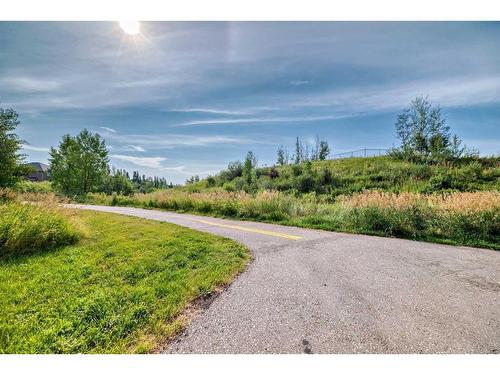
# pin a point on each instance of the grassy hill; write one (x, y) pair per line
(347, 176)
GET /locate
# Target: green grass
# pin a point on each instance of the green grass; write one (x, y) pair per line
(347, 176)
(121, 289)
(480, 229)
(35, 227)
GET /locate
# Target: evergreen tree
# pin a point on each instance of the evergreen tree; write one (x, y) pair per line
(299, 152)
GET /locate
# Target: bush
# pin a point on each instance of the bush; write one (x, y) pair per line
(26, 228)
(26, 186)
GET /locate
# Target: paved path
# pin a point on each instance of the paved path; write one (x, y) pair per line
(324, 292)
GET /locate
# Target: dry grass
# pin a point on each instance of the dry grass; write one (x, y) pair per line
(457, 202)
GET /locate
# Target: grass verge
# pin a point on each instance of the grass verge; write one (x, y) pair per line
(121, 289)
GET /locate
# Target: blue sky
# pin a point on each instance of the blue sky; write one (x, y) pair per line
(185, 98)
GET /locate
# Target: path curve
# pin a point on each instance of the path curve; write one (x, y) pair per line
(323, 292)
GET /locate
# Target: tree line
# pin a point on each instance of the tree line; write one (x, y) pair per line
(79, 165)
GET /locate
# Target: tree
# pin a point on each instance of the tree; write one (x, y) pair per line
(10, 145)
(315, 150)
(323, 150)
(234, 169)
(299, 152)
(80, 163)
(281, 159)
(249, 167)
(117, 182)
(193, 179)
(424, 135)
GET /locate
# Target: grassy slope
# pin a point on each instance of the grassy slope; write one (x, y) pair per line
(387, 174)
(119, 290)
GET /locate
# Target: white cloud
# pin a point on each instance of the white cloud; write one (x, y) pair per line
(111, 130)
(149, 162)
(261, 119)
(137, 148)
(35, 148)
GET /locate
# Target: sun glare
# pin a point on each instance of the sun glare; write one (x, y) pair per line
(130, 27)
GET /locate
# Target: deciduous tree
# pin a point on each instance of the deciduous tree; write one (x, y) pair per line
(79, 164)
(11, 158)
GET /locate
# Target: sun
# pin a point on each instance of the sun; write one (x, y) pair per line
(130, 27)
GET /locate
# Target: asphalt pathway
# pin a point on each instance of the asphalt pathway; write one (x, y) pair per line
(310, 291)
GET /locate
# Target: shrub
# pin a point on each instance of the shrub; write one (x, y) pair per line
(26, 186)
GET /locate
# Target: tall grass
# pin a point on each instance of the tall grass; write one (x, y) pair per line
(27, 227)
(458, 218)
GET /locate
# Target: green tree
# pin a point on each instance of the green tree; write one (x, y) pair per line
(281, 156)
(80, 164)
(10, 145)
(299, 152)
(323, 150)
(424, 135)
(117, 182)
(249, 168)
(193, 179)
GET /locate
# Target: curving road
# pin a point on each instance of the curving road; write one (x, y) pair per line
(311, 291)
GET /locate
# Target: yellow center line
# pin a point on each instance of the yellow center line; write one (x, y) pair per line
(254, 230)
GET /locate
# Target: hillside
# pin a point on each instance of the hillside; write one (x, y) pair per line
(347, 176)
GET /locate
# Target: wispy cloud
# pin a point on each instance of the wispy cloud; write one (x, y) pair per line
(210, 110)
(157, 163)
(451, 92)
(261, 120)
(137, 148)
(29, 84)
(105, 128)
(35, 148)
(299, 82)
(161, 141)
(149, 162)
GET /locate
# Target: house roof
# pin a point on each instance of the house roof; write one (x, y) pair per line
(39, 167)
